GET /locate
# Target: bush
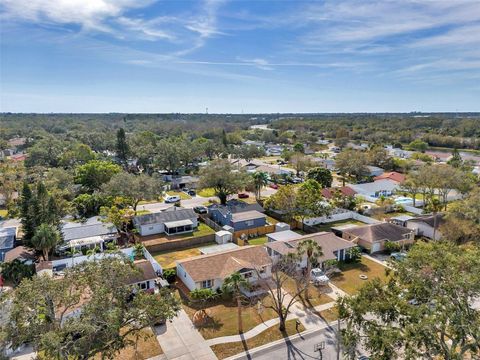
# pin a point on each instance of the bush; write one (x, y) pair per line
(391, 247)
(203, 294)
(170, 275)
(354, 254)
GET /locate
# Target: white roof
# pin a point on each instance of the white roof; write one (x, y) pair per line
(85, 241)
(178, 223)
(223, 233)
(285, 235)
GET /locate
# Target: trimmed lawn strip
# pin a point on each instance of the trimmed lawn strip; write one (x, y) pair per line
(223, 316)
(208, 192)
(167, 258)
(225, 350)
(315, 295)
(349, 281)
(183, 196)
(3, 213)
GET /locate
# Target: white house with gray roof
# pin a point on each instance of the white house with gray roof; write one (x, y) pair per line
(176, 221)
(88, 234)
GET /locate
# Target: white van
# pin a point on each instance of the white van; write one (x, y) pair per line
(172, 199)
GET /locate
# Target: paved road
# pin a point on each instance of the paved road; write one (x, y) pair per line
(190, 203)
(298, 348)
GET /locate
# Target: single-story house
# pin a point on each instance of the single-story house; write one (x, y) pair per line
(373, 237)
(209, 271)
(422, 225)
(374, 170)
(182, 182)
(88, 234)
(145, 280)
(328, 193)
(392, 175)
(175, 221)
(238, 214)
(8, 236)
(374, 190)
(324, 163)
(284, 242)
(25, 255)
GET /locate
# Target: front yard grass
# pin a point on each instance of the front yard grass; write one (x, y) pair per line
(207, 192)
(225, 350)
(223, 316)
(316, 296)
(147, 347)
(3, 213)
(167, 258)
(330, 315)
(349, 281)
(183, 195)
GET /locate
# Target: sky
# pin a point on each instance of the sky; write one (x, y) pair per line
(234, 56)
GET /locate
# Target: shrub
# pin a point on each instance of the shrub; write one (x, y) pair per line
(391, 246)
(170, 275)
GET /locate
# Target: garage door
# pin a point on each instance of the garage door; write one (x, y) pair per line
(375, 247)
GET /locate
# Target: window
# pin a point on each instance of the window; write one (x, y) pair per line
(143, 286)
(150, 228)
(249, 222)
(207, 284)
(247, 275)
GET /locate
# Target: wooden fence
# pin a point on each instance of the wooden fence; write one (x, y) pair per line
(255, 232)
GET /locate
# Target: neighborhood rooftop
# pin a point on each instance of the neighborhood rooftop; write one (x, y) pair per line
(378, 232)
(165, 216)
(247, 215)
(222, 264)
(93, 227)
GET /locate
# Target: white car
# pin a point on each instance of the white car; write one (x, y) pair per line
(318, 277)
(172, 199)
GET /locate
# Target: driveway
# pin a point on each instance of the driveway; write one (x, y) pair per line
(181, 341)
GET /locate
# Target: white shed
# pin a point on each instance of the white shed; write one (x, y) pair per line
(223, 237)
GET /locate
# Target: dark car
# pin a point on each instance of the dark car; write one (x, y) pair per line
(200, 209)
(191, 192)
(243, 196)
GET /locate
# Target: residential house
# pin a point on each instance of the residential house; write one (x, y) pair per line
(392, 175)
(328, 193)
(182, 182)
(209, 271)
(8, 235)
(273, 150)
(374, 236)
(88, 234)
(175, 221)
(375, 170)
(238, 214)
(284, 242)
(146, 278)
(422, 225)
(373, 190)
(21, 253)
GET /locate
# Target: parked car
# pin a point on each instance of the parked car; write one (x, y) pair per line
(318, 277)
(169, 199)
(243, 196)
(296, 180)
(200, 209)
(274, 186)
(192, 192)
(398, 256)
(186, 190)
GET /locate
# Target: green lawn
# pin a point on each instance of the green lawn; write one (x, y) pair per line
(328, 226)
(223, 316)
(349, 279)
(183, 195)
(229, 349)
(272, 220)
(143, 212)
(208, 192)
(167, 258)
(258, 241)
(3, 213)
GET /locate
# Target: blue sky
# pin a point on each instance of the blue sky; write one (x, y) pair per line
(239, 55)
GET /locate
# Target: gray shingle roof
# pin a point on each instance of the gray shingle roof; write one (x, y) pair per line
(377, 232)
(165, 216)
(92, 227)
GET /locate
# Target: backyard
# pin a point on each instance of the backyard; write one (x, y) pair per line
(3, 213)
(349, 279)
(223, 316)
(328, 226)
(258, 240)
(167, 258)
(225, 350)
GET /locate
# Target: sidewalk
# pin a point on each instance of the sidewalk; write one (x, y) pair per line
(180, 340)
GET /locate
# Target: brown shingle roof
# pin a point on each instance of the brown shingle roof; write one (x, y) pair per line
(328, 241)
(146, 272)
(345, 191)
(19, 252)
(376, 232)
(221, 265)
(395, 176)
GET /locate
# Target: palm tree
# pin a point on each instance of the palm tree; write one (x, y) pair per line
(45, 239)
(313, 252)
(234, 283)
(435, 206)
(260, 179)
